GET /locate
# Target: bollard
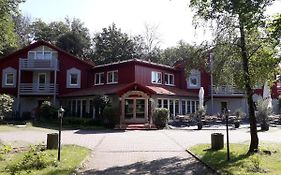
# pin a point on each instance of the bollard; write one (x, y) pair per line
(217, 141)
(52, 141)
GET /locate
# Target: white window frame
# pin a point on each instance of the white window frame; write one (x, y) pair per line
(98, 76)
(5, 73)
(155, 77)
(111, 73)
(169, 83)
(71, 72)
(194, 74)
(44, 52)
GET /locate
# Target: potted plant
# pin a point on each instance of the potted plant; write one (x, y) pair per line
(200, 113)
(262, 114)
(239, 114)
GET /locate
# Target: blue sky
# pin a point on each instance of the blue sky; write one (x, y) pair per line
(173, 17)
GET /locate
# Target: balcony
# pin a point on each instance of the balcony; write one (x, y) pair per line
(38, 89)
(39, 64)
(227, 90)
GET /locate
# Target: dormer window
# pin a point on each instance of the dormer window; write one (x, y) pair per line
(112, 77)
(156, 77)
(99, 78)
(73, 78)
(9, 76)
(193, 81)
(169, 79)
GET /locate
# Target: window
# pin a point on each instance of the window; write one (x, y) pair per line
(47, 55)
(99, 78)
(169, 79)
(9, 79)
(156, 77)
(112, 77)
(194, 79)
(9, 76)
(73, 78)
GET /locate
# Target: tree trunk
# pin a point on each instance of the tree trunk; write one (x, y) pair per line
(253, 123)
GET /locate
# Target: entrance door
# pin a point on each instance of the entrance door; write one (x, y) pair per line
(42, 79)
(135, 110)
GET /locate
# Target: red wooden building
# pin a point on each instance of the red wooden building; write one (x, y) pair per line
(42, 71)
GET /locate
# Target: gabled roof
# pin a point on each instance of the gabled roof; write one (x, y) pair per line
(45, 43)
(137, 61)
(120, 89)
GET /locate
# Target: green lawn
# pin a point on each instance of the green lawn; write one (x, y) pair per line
(71, 158)
(28, 126)
(241, 163)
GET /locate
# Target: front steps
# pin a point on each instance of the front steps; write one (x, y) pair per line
(136, 126)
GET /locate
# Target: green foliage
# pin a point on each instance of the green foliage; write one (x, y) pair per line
(241, 162)
(71, 157)
(6, 103)
(7, 35)
(35, 158)
(263, 111)
(47, 111)
(112, 45)
(111, 116)
(160, 117)
(5, 149)
(70, 35)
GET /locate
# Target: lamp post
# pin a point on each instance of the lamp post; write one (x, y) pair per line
(227, 135)
(60, 116)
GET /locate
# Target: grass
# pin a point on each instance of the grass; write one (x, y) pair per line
(240, 162)
(71, 158)
(28, 126)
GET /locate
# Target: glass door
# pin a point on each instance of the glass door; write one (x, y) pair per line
(129, 109)
(42, 79)
(140, 108)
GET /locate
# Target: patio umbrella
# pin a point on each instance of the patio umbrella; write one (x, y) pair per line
(266, 95)
(201, 98)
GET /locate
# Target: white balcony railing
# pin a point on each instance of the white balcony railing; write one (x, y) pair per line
(33, 64)
(38, 89)
(227, 90)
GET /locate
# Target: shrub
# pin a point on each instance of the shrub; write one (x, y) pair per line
(47, 111)
(6, 103)
(160, 117)
(110, 114)
(35, 158)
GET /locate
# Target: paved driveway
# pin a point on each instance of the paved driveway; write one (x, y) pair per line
(139, 152)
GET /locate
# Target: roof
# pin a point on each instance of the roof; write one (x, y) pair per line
(120, 89)
(171, 91)
(135, 60)
(40, 43)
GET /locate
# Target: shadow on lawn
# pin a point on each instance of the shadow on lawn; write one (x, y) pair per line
(173, 165)
(217, 159)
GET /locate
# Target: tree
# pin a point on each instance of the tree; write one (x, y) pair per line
(113, 45)
(6, 103)
(236, 20)
(71, 35)
(8, 8)
(184, 51)
(151, 40)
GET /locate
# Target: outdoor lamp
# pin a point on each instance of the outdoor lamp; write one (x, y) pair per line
(60, 112)
(60, 116)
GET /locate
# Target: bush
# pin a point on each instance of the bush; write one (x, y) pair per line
(160, 116)
(110, 114)
(35, 158)
(47, 111)
(263, 113)
(6, 103)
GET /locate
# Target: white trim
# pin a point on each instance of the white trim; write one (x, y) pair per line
(169, 79)
(99, 78)
(196, 75)
(68, 78)
(5, 73)
(112, 77)
(155, 77)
